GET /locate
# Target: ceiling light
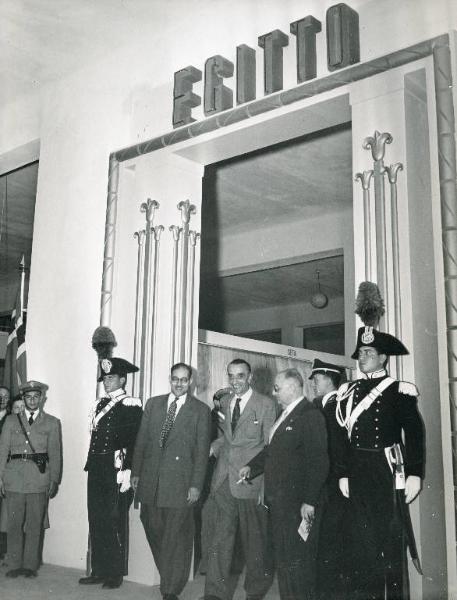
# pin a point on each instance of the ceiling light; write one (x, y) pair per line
(319, 299)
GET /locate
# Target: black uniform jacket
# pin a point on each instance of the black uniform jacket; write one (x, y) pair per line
(295, 463)
(381, 425)
(116, 430)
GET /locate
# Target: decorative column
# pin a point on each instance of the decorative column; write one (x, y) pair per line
(365, 179)
(392, 172)
(176, 233)
(182, 291)
(140, 236)
(193, 238)
(148, 208)
(377, 145)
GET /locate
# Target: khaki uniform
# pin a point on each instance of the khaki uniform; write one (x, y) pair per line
(26, 488)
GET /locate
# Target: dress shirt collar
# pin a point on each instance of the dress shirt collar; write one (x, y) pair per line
(375, 374)
(244, 400)
(179, 401)
(282, 417)
(29, 412)
(327, 397)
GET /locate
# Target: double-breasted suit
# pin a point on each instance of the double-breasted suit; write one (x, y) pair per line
(295, 466)
(240, 505)
(26, 487)
(165, 476)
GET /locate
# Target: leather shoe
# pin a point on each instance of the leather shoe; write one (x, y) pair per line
(14, 573)
(170, 597)
(112, 582)
(91, 580)
(29, 573)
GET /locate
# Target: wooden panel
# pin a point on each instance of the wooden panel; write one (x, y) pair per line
(212, 370)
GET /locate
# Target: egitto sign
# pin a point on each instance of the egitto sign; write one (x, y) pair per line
(343, 49)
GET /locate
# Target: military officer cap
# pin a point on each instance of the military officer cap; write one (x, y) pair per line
(32, 386)
(116, 366)
(319, 366)
(383, 342)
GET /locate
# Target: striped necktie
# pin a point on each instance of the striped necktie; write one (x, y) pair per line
(236, 414)
(168, 423)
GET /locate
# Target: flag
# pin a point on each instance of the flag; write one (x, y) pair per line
(15, 359)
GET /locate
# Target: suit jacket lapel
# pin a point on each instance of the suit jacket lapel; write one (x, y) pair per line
(289, 419)
(249, 410)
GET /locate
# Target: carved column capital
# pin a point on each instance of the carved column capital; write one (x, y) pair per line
(193, 237)
(149, 207)
(158, 232)
(187, 209)
(175, 231)
(377, 144)
(365, 178)
(140, 235)
(392, 171)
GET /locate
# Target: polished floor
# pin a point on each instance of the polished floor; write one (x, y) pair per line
(59, 583)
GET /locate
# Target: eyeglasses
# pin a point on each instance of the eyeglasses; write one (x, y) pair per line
(179, 380)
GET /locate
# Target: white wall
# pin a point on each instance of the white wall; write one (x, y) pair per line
(80, 120)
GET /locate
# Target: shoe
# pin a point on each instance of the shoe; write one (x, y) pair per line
(91, 580)
(170, 597)
(14, 573)
(112, 582)
(29, 573)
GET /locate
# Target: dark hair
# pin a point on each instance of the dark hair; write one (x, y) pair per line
(182, 365)
(293, 374)
(240, 361)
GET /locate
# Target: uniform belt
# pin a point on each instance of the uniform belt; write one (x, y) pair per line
(367, 449)
(26, 455)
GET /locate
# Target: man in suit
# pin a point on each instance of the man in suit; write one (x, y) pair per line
(28, 439)
(168, 472)
(295, 466)
(114, 425)
(247, 419)
(326, 378)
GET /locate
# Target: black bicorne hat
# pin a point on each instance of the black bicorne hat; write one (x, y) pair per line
(319, 366)
(116, 366)
(383, 342)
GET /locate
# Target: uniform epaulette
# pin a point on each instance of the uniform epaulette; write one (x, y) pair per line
(131, 401)
(405, 387)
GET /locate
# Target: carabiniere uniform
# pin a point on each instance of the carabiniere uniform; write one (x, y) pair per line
(375, 410)
(114, 427)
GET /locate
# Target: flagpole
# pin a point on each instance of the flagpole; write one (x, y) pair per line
(22, 269)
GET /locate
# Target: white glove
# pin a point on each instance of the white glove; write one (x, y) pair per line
(123, 477)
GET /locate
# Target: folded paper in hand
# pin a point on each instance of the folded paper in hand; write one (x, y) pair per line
(305, 528)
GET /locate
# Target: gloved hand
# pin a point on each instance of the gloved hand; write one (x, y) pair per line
(123, 477)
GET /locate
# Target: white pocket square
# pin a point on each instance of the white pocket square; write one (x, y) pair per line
(288, 428)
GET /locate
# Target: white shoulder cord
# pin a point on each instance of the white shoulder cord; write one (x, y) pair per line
(345, 391)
